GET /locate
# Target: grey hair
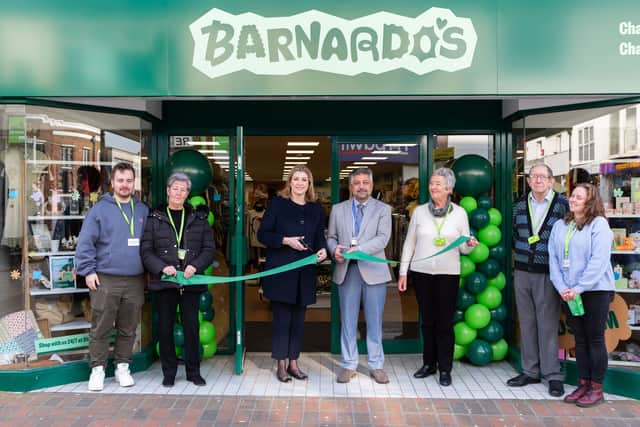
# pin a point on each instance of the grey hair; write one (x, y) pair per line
(449, 177)
(361, 171)
(179, 177)
(542, 165)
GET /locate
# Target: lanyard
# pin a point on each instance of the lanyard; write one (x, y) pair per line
(130, 223)
(535, 225)
(356, 223)
(178, 235)
(570, 233)
(439, 226)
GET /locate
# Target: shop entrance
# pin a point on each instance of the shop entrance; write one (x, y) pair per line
(268, 160)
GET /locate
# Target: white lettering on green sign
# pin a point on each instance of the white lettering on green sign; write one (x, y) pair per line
(314, 40)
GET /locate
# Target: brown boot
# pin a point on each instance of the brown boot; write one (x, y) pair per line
(583, 388)
(593, 397)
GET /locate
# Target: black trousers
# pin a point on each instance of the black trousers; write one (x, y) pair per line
(588, 330)
(437, 295)
(166, 303)
(287, 330)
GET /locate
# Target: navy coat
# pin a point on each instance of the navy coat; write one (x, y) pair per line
(284, 218)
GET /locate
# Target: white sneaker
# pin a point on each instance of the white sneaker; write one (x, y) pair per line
(96, 380)
(123, 376)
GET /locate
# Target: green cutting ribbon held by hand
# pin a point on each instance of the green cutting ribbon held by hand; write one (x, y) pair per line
(200, 279)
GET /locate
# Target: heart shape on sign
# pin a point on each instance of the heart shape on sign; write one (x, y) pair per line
(441, 23)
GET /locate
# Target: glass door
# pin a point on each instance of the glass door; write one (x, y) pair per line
(395, 163)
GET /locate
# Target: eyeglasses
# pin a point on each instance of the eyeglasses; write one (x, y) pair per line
(539, 177)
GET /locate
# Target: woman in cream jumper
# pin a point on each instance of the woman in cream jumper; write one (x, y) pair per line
(433, 226)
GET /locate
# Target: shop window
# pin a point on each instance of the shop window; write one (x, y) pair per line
(586, 144)
(631, 130)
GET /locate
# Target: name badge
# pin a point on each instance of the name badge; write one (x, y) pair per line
(533, 239)
(181, 254)
(439, 241)
(133, 242)
(565, 263)
(354, 242)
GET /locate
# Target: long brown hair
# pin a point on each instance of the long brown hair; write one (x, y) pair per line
(593, 206)
(310, 195)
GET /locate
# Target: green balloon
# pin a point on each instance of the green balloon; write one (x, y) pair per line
(461, 283)
(178, 334)
(477, 316)
(193, 164)
(158, 348)
(500, 349)
(209, 349)
(478, 218)
(495, 217)
(466, 266)
(196, 201)
(474, 175)
(458, 316)
(468, 203)
(207, 314)
(498, 252)
(209, 270)
(492, 332)
(498, 282)
(489, 268)
(200, 317)
(479, 352)
(473, 232)
(464, 335)
(490, 297)
(490, 235)
(465, 299)
(475, 282)
(479, 254)
(207, 332)
(499, 313)
(205, 301)
(210, 219)
(458, 351)
(178, 349)
(484, 202)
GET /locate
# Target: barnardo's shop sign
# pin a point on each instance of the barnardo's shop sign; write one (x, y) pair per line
(434, 40)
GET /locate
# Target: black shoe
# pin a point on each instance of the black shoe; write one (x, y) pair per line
(556, 389)
(168, 381)
(197, 380)
(425, 371)
(522, 380)
(445, 379)
(282, 375)
(297, 374)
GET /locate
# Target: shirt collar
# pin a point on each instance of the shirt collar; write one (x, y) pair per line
(356, 203)
(548, 197)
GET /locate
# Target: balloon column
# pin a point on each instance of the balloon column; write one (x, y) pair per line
(197, 167)
(478, 320)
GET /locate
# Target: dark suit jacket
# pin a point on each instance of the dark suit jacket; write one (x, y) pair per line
(284, 218)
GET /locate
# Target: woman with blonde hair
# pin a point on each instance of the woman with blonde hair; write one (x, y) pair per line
(292, 228)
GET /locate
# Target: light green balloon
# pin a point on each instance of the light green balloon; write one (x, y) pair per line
(477, 316)
(466, 266)
(458, 351)
(468, 203)
(464, 334)
(495, 217)
(209, 349)
(207, 332)
(196, 201)
(490, 235)
(480, 253)
(498, 282)
(500, 349)
(490, 297)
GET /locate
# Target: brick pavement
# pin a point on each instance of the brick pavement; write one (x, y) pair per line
(81, 409)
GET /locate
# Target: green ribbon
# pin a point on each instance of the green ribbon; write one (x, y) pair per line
(199, 279)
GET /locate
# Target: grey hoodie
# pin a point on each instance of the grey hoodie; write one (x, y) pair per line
(103, 241)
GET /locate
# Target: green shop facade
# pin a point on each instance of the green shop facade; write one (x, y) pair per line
(402, 87)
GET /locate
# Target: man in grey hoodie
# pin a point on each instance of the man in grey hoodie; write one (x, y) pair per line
(108, 255)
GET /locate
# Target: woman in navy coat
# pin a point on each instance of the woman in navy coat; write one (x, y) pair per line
(292, 228)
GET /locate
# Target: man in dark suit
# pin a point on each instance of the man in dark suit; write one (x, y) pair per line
(360, 223)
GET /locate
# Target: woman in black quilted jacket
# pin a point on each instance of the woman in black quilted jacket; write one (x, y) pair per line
(177, 237)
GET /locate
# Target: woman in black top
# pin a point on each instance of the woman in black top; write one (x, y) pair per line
(292, 228)
(177, 238)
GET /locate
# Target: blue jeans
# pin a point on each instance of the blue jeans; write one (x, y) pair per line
(373, 297)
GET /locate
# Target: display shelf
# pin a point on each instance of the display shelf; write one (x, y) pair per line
(52, 217)
(74, 324)
(32, 254)
(37, 292)
(628, 291)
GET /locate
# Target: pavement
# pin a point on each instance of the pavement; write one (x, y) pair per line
(477, 397)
